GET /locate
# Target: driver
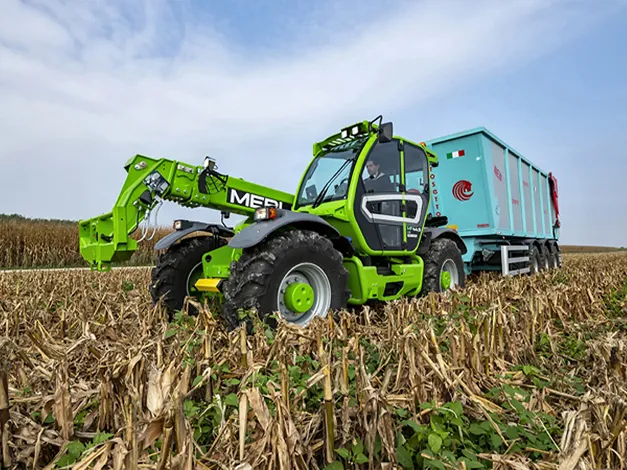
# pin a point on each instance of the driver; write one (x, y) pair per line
(377, 182)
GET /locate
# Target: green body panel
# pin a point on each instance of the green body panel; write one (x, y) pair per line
(217, 263)
(107, 238)
(367, 284)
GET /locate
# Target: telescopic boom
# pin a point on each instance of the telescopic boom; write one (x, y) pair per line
(107, 238)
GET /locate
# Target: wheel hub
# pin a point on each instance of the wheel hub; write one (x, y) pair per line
(299, 297)
(445, 280)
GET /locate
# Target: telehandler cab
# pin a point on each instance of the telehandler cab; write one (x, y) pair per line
(357, 229)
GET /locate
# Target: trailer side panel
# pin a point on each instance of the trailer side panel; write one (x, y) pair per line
(488, 189)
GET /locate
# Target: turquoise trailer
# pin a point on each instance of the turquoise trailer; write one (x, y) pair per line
(503, 206)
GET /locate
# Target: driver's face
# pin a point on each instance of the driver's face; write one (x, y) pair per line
(373, 169)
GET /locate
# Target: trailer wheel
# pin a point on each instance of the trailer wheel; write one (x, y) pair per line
(534, 260)
(554, 257)
(178, 269)
(545, 258)
(298, 274)
(444, 267)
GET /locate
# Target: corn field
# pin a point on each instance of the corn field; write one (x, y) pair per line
(30, 243)
(516, 373)
(36, 244)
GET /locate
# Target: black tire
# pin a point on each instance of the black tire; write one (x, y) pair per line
(440, 251)
(535, 261)
(555, 258)
(545, 258)
(255, 278)
(174, 267)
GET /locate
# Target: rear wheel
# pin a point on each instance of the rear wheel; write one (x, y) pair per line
(444, 267)
(534, 260)
(177, 271)
(545, 258)
(297, 274)
(555, 258)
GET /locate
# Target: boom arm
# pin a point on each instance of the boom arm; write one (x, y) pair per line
(107, 238)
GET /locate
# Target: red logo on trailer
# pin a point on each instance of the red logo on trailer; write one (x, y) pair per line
(462, 190)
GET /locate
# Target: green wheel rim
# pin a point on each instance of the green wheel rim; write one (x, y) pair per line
(449, 275)
(445, 280)
(299, 297)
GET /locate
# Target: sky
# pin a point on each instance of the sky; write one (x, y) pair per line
(87, 84)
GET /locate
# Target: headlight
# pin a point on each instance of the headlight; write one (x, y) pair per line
(354, 130)
(265, 213)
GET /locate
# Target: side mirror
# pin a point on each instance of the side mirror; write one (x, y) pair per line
(386, 132)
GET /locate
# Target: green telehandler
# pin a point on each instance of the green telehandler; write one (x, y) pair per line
(357, 229)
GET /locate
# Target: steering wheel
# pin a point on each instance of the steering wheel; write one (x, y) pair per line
(342, 187)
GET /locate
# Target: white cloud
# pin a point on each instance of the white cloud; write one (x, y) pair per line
(82, 87)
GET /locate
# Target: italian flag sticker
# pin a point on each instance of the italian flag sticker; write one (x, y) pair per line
(458, 153)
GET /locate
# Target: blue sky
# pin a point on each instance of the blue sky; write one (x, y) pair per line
(85, 84)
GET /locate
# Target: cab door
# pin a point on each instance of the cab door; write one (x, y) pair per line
(378, 198)
(415, 190)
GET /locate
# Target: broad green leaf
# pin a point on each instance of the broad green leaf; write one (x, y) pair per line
(358, 448)
(418, 428)
(404, 457)
(456, 407)
(361, 458)
(377, 445)
(65, 461)
(101, 437)
(476, 429)
(496, 440)
(196, 380)
(232, 400)
(334, 466)
(75, 448)
(402, 412)
(511, 432)
(434, 464)
(519, 406)
(435, 442)
(344, 453)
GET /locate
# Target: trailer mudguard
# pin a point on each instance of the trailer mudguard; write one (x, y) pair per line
(258, 231)
(433, 233)
(188, 227)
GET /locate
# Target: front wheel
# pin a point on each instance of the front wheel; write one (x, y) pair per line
(444, 267)
(297, 274)
(177, 271)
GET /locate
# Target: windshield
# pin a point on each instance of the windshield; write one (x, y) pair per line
(328, 175)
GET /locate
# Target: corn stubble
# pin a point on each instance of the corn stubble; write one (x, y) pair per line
(34, 244)
(92, 375)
